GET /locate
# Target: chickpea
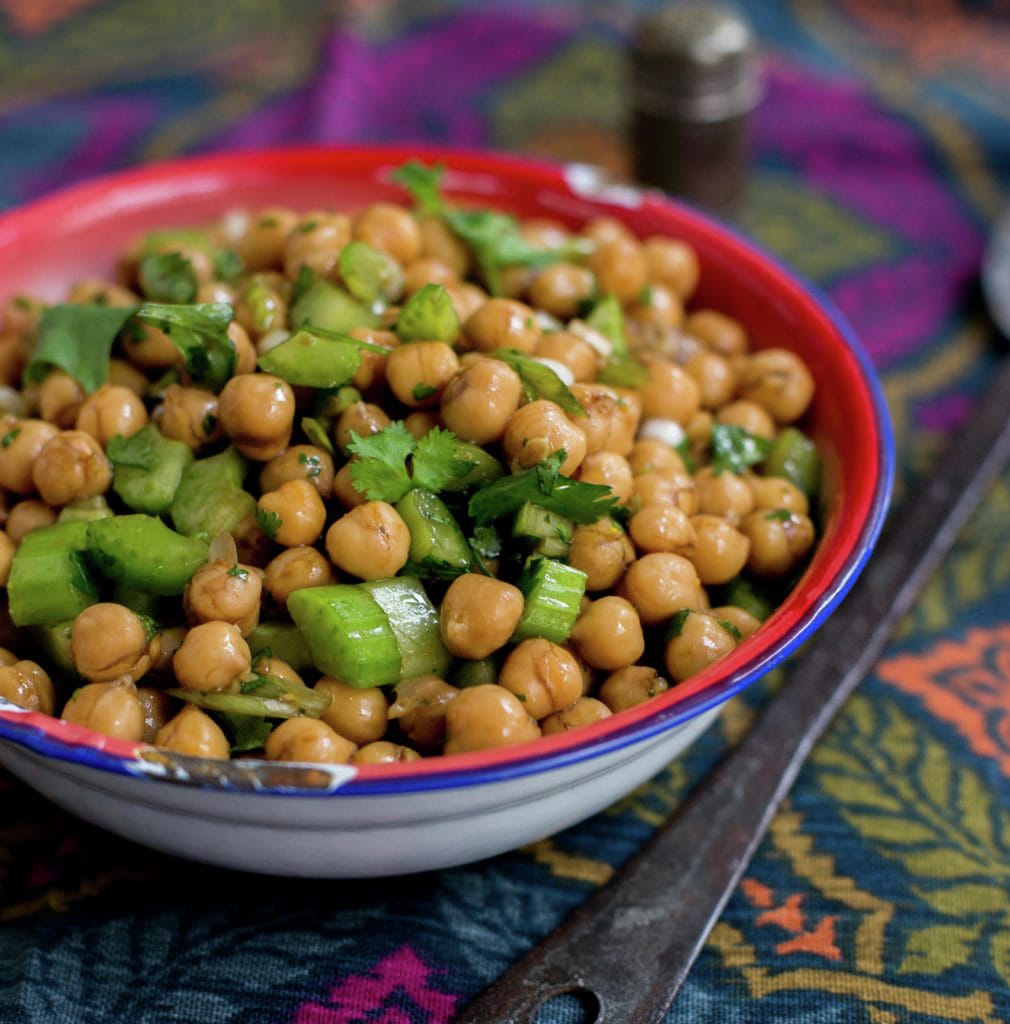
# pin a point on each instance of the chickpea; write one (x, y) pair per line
(620, 267)
(714, 376)
(384, 752)
(7, 657)
(212, 655)
(427, 271)
(391, 229)
(539, 429)
(572, 351)
(718, 332)
(662, 528)
(487, 716)
(439, 243)
(661, 584)
(478, 401)
(20, 445)
(420, 423)
(111, 410)
(772, 492)
(71, 466)
(608, 634)
(651, 456)
(7, 550)
(670, 393)
(631, 686)
(26, 516)
(503, 323)
(371, 371)
(585, 711)
(295, 569)
(418, 373)
(546, 677)
(562, 288)
(361, 418)
(601, 230)
(601, 424)
(701, 641)
(107, 293)
(171, 641)
(224, 591)
(271, 666)
(28, 685)
(300, 510)
(723, 494)
(624, 426)
(193, 733)
(60, 398)
(245, 350)
(189, 415)
(420, 708)
(299, 462)
(720, 550)
(110, 642)
(123, 375)
(611, 470)
(151, 348)
(677, 489)
(308, 740)
(753, 418)
(113, 709)
(14, 356)
(739, 618)
(371, 541)
(657, 309)
(780, 381)
(257, 411)
(356, 713)
(479, 614)
(260, 307)
(674, 263)
(778, 540)
(157, 708)
(466, 299)
(315, 242)
(343, 487)
(602, 551)
(261, 244)
(215, 291)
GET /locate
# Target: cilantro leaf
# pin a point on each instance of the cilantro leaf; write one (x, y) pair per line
(135, 451)
(200, 333)
(540, 381)
(228, 265)
(245, 732)
(423, 183)
(78, 339)
(684, 451)
(735, 449)
(543, 485)
(380, 470)
(783, 515)
(486, 542)
(269, 522)
(10, 437)
(314, 430)
(438, 461)
(167, 277)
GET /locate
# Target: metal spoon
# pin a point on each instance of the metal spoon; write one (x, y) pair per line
(660, 907)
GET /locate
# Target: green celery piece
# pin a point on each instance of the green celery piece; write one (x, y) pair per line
(312, 361)
(184, 238)
(347, 633)
(794, 456)
(264, 697)
(414, 622)
(210, 498)
(540, 381)
(52, 642)
(369, 274)
(327, 306)
(283, 640)
(607, 317)
(742, 593)
(143, 553)
(438, 547)
(486, 468)
(148, 469)
(167, 277)
(476, 673)
(552, 592)
(550, 533)
(141, 602)
(85, 510)
(50, 579)
(428, 315)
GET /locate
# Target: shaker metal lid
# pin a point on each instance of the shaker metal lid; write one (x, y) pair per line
(695, 60)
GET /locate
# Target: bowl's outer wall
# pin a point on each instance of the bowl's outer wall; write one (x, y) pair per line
(50, 244)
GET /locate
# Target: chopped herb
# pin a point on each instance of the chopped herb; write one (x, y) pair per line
(135, 451)
(423, 391)
(246, 732)
(783, 515)
(439, 461)
(307, 226)
(238, 572)
(735, 449)
(167, 277)
(10, 437)
(269, 522)
(268, 222)
(684, 451)
(543, 485)
(522, 697)
(646, 297)
(209, 423)
(313, 462)
(23, 303)
(150, 627)
(303, 282)
(676, 626)
(731, 629)
(423, 183)
(227, 265)
(486, 542)
(200, 333)
(314, 430)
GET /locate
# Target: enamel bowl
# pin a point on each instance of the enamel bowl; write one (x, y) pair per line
(346, 821)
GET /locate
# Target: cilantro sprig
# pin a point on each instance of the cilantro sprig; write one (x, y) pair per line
(380, 470)
(543, 485)
(735, 450)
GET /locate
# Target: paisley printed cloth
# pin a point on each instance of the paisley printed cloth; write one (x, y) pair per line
(882, 151)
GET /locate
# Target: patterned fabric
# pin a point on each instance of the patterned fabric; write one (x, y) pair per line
(882, 893)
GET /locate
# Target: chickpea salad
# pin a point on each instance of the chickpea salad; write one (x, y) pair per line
(371, 486)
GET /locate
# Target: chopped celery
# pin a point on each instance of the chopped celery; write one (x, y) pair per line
(84, 510)
(550, 533)
(210, 498)
(438, 547)
(414, 622)
(552, 592)
(313, 361)
(325, 305)
(369, 274)
(794, 456)
(540, 381)
(148, 469)
(283, 640)
(52, 641)
(262, 696)
(141, 552)
(428, 315)
(476, 673)
(142, 602)
(50, 580)
(348, 634)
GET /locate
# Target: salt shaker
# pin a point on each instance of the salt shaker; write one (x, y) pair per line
(695, 82)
